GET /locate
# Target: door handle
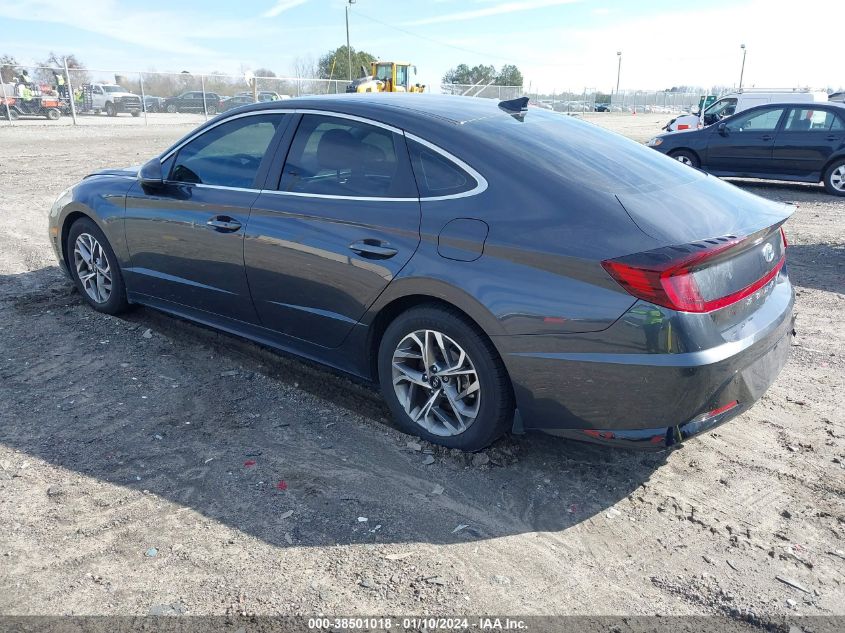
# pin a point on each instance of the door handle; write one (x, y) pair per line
(767, 137)
(224, 224)
(375, 249)
(832, 137)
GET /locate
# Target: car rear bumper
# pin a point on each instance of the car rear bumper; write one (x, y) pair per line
(650, 400)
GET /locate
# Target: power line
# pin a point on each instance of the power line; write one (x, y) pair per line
(458, 48)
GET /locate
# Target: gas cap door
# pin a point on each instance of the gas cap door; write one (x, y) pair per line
(462, 239)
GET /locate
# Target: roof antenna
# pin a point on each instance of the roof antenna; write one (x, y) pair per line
(518, 106)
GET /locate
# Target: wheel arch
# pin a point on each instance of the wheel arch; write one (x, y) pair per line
(671, 153)
(67, 222)
(830, 161)
(390, 309)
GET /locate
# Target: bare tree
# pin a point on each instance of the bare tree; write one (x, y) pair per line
(9, 68)
(55, 64)
(305, 67)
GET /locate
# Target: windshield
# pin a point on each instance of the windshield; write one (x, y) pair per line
(114, 89)
(384, 72)
(723, 107)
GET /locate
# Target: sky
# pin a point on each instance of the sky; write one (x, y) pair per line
(558, 45)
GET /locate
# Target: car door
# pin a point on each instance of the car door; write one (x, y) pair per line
(743, 143)
(341, 224)
(193, 101)
(808, 138)
(185, 237)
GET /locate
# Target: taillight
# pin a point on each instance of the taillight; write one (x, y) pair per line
(667, 276)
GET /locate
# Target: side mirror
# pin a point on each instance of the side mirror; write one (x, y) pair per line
(723, 129)
(150, 173)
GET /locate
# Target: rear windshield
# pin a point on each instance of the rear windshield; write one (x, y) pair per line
(583, 152)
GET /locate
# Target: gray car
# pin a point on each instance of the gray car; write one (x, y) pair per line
(492, 267)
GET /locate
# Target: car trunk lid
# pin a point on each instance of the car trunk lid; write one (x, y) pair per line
(700, 209)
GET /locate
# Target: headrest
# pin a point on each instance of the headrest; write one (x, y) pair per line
(337, 150)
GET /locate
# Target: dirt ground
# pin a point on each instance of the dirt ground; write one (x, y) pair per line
(148, 465)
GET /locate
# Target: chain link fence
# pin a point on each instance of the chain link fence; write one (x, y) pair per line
(91, 96)
(641, 101)
(485, 91)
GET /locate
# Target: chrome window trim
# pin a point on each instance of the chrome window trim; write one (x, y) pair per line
(481, 182)
(327, 196)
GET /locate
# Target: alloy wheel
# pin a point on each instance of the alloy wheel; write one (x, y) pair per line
(92, 267)
(682, 158)
(837, 178)
(436, 382)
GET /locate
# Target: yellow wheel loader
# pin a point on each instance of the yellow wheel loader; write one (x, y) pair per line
(386, 77)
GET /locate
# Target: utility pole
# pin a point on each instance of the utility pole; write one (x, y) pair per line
(618, 71)
(349, 3)
(742, 72)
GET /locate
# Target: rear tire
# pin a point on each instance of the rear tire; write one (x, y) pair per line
(53, 114)
(686, 157)
(171, 109)
(834, 178)
(468, 373)
(94, 268)
(136, 114)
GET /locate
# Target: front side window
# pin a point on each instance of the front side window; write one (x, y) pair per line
(757, 121)
(384, 72)
(809, 120)
(341, 157)
(436, 175)
(227, 155)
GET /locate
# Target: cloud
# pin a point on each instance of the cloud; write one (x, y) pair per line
(167, 31)
(497, 9)
(281, 6)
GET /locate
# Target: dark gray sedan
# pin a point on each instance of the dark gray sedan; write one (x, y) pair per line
(493, 267)
(802, 142)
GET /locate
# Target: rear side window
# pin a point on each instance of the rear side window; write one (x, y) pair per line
(334, 156)
(227, 155)
(809, 120)
(437, 175)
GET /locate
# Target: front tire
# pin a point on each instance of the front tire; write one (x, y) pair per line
(94, 268)
(686, 157)
(171, 109)
(211, 110)
(53, 114)
(111, 110)
(443, 379)
(834, 178)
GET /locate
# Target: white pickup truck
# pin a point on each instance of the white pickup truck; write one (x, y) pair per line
(109, 98)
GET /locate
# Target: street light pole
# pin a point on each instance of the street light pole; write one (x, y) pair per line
(618, 71)
(742, 72)
(349, 3)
